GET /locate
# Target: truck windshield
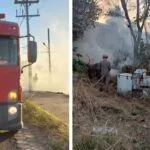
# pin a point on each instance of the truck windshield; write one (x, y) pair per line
(8, 51)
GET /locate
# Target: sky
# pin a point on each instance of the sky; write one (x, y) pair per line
(54, 14)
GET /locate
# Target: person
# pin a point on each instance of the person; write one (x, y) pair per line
(35, 78)
(105, 68)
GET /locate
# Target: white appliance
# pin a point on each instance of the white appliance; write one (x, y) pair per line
(124, 83)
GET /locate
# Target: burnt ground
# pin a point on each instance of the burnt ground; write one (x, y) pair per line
(31, 137)
(101, 113)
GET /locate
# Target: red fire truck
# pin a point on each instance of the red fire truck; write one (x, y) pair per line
(10, 72)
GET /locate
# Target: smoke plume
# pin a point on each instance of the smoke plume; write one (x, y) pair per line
(110, 36)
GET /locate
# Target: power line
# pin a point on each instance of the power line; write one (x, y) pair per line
(20, 11)
(26, 15)
(22, 21)
(49, 54)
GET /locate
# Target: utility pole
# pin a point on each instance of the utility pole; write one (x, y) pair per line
(49, 53)
(26, 4)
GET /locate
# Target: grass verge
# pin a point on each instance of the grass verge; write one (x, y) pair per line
(54, 128)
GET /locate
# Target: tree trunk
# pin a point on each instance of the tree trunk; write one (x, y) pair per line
(135, 59)
(146, 33)
(136, 62)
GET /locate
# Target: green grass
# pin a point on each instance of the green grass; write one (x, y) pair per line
(52, 126)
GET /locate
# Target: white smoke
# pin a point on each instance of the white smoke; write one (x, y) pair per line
(58, 79)
(111, 36)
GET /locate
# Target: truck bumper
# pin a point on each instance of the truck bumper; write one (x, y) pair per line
(11, 116)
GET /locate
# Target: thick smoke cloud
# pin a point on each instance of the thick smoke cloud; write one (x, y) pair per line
(110, 36)
(58, 79)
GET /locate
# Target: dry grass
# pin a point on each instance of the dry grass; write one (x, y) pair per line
(93, 108)
(104, 142)
(93, 102)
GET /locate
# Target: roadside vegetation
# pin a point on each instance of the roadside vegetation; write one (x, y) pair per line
(55, 130)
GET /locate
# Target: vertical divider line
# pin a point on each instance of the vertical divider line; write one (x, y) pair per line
(70, 78)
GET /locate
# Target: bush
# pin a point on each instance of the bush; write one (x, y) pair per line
(78, 65)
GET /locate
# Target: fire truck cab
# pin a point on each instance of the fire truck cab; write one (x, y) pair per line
(10, 72)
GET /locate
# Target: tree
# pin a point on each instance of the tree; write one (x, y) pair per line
(136, 26)
(85, 13)
(114, 12)
(144, 54)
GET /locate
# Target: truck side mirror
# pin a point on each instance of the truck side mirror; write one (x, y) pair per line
(32, 53)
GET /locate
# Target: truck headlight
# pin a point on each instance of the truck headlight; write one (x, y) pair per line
(12, 110)
(12, 95)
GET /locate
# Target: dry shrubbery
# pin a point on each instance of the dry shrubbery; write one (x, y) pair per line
(106, 111)
(87, 97)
